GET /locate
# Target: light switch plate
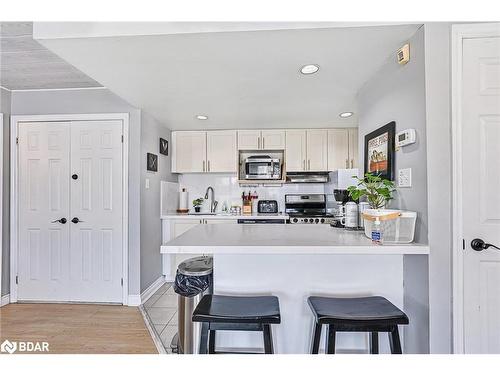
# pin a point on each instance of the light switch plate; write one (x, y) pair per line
(147, 183)
(404, 177)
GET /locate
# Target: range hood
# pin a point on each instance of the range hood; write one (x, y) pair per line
(307, 177)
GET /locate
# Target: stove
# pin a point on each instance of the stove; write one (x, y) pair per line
(307, 209)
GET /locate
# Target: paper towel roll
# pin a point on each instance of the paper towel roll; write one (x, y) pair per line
(183, 200)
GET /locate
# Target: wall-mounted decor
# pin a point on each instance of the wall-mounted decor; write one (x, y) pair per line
(163, 146)
(379, 151)
(152, 162)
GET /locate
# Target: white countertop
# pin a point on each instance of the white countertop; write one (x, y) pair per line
(280, 239)
(175, 215)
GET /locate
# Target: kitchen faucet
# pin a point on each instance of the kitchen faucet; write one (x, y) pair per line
(213, 203)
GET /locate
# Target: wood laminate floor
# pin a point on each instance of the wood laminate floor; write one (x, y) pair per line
(78, 329)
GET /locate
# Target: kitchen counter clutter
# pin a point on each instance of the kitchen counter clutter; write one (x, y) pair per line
(280, 239)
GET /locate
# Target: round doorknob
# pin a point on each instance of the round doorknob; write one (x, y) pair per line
(74, 177)
(75, 220)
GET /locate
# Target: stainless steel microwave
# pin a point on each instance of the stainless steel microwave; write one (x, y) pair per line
(262, 167)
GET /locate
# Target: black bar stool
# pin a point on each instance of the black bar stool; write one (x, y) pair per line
(367, 314)
(227, 313)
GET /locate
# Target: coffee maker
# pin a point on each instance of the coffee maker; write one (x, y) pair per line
(341, 180)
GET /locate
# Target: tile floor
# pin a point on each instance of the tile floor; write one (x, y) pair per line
(161, 308)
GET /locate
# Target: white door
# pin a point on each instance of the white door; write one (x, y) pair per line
(295, 150)
(338, 149)
(96, 211)
(44, 182)
(70, 171)
(317, 150)
(353, 148)
(221, 151)
(481, 192)
(273, 139)
(249, 140)
(190, 151)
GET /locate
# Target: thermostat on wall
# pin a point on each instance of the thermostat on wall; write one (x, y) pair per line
(405, 138)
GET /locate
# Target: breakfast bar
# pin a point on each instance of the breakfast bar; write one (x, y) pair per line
(294, 262)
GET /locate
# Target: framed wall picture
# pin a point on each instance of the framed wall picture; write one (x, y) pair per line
(163, 147)
(152, 162)
(379, 151)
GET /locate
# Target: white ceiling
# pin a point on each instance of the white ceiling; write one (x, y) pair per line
(244, 79)
(26, 64)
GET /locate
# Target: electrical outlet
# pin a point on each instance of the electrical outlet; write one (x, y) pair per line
(404, 177)
(147, 183)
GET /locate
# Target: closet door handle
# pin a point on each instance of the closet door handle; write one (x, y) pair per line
(76, 220)
(61, 220)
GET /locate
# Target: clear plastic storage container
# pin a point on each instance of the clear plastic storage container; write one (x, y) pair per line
(397, 226)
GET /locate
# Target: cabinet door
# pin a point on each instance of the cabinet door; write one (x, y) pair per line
(338, 149)
(295, 150)
(273, 140)
(249, 140)
(317, 150)
(177, 228)
(190, 151)
(221, 151)
(353, 148)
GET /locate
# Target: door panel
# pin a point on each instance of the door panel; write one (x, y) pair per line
(97, 202)
(43, 257)
(190, 150)
(338, 149)
(273, 139)
(249, 140)
(295, 150)
(317, 150)
(480, 192)
(221, 151)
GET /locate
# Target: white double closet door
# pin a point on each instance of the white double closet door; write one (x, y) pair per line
(70, 245)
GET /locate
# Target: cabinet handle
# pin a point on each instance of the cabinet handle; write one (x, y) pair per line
(309, 165)
(258, 143)
(263, 143)
(203, 165)
(304, 164)
(347, 163)
(208, 169)
(352, 163)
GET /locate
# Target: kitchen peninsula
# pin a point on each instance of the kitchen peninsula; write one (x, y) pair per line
(292, 263)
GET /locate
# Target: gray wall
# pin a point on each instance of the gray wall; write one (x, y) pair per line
(438, 98)
(5, 102)
(397, 93)
(151, 259)
(97, 101)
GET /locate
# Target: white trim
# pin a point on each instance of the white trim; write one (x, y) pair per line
(5, 88)
(458, 34)
(15, 120)
(5, 300)
(60, 89)
(134, 300)
(150, 290)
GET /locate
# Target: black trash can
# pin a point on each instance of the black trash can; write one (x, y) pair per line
(193, 280)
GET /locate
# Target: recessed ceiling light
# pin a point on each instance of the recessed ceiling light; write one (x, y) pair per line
(309, 69)
(202, 117)
(346, 114)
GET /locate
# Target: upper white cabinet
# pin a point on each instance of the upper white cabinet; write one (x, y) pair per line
(353, 147)
(249, 139)
(189, 151)
(295, 151)
(342, 148)
(317, 150)
(221, 151)
(261, 139)
(199, 151)
(273, 139)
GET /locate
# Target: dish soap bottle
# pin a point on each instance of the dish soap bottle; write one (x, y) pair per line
(377, 235)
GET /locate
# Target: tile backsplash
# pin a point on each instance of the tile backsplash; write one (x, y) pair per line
(228, 191)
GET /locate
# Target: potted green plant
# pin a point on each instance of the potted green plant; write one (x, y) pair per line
(197, 204)
(377, 190)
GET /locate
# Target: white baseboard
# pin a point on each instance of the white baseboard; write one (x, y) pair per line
(150, 290)
(134, 300)
(5, 300)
